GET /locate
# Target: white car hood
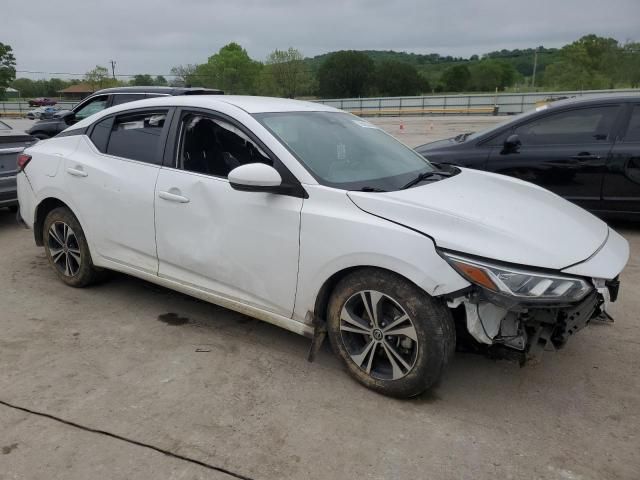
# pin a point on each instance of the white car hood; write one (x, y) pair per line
(493, 216)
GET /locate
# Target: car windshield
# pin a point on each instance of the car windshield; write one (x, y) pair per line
(343, 151)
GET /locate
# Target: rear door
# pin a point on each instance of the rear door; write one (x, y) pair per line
(111, 178)
(565, 151)
(621, 190)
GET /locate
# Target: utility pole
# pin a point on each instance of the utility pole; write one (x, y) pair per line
(113, 68)
(535, 67)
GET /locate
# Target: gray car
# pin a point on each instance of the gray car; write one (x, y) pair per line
(12, 142)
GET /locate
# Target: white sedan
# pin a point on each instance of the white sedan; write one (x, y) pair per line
(314, 220)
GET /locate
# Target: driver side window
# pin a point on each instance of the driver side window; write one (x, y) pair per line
(577, 126)
(214, 147)
(94, 106)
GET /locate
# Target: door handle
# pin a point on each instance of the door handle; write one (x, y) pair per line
(172, 197)
(585, 156)
(77, 172)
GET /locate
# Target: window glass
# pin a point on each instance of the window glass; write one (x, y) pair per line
(137, 136)
(94, 106)
(582, 125)
(633, 130)
(215, 147)
(344, 151)
(100, 134)
(127, 97)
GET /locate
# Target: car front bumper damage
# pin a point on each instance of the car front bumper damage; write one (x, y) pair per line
(531, 329)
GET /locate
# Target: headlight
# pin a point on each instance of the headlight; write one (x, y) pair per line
(521, 284)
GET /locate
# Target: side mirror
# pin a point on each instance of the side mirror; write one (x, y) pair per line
(255, 177)
(511, 144)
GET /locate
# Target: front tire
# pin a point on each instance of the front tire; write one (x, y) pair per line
(67, 249)
(391, 336)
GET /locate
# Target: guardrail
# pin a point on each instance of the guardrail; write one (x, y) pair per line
(464, 104)
(17, 108)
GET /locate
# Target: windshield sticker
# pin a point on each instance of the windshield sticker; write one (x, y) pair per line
(342, 151)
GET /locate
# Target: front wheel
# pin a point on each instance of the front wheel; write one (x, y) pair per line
(391, 335)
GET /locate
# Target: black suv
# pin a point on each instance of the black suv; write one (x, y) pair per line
(106, 98)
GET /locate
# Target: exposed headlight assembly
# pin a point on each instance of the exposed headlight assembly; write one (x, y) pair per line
(526, 286)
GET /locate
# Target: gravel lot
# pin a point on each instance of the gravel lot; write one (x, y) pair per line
(127, 380)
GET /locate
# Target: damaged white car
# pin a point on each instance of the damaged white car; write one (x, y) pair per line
(314, 220)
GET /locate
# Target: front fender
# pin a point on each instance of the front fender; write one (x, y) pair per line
(336, 235)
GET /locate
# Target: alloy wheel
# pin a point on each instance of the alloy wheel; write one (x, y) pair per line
(379, 335)
(64, 249)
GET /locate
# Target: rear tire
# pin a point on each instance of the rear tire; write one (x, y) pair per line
(404, 349)
(67, 249)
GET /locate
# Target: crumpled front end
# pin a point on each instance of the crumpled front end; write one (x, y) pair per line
(531, 329)
(530, 311)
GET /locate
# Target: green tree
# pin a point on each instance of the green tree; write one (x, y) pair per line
(183, 75)
(456, 78)
(289, 75)
(628, 71)
(346, 73)
(26, 87)
(490, 74)
(231, 69)
(160, 81)
(142, 80)
(99, 78)
(586, 63)
(7, 67)
(395, 78)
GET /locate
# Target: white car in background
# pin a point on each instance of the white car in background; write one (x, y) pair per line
(317, 221)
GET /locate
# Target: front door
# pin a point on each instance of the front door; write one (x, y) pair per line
(240, 245)
(621, 190)
(565, 152)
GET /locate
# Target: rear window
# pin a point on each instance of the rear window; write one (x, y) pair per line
(137, 136)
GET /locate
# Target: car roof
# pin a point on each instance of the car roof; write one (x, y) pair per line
(249, 104)
(594, 100)
(161, 90)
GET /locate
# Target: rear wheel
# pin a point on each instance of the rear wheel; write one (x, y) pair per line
(391, 335)
(67, 249)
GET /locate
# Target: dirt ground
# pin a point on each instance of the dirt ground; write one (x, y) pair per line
(127, 380)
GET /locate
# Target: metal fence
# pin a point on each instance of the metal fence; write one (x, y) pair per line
(471, 104)
(20, 108)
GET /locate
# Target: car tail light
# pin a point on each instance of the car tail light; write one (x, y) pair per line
(23, 160)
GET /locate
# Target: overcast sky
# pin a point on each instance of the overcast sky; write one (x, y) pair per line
(151, 36)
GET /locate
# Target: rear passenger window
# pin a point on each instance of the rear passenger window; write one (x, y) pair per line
(100, 134)
(137, 136)
(633, 130)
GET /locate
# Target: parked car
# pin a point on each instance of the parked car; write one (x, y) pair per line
(106, 98)
(12, 142)
(41, 102)
(312, 219)
(42, 113)
(587, 151)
